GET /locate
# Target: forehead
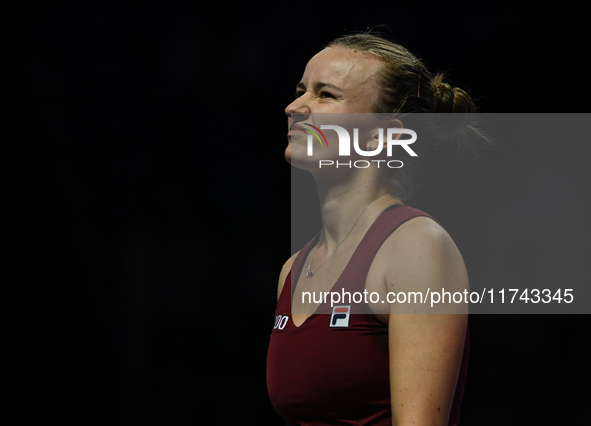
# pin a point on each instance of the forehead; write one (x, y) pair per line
(343, 67)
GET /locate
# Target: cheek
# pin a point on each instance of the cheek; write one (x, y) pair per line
(362, 103)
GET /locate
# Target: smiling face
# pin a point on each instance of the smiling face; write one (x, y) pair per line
(336, 80)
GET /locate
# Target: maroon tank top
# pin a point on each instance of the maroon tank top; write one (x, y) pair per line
(334, 368)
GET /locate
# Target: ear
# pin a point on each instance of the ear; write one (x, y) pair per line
(375, 136)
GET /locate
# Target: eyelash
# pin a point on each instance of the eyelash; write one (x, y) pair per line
(321, 94)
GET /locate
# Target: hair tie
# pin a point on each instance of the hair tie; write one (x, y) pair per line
(450, 103)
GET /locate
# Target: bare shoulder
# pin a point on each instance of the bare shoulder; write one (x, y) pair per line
(420, 253)
(421, 233)
(284, 272)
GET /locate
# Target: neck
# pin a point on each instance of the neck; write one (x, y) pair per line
(347, 209)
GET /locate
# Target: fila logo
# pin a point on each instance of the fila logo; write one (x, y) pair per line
(280, 322)
(340, 316)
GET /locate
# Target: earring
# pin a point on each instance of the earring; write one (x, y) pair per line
(368, 146)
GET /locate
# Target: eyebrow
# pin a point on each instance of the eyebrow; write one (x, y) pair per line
(319, 86)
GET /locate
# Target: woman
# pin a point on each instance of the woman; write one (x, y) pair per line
(387, 364)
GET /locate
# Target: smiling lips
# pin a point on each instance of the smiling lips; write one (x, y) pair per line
(296, 128)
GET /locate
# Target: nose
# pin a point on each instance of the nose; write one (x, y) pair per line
(298, 106)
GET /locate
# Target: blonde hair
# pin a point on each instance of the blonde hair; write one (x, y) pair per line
(406, 86)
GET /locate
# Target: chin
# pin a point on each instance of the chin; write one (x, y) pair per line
(296, 156)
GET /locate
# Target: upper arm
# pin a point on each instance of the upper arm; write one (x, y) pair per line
(425, 356)
(283, 275)
(425, 348)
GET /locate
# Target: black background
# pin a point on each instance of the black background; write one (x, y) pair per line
(147, 201)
